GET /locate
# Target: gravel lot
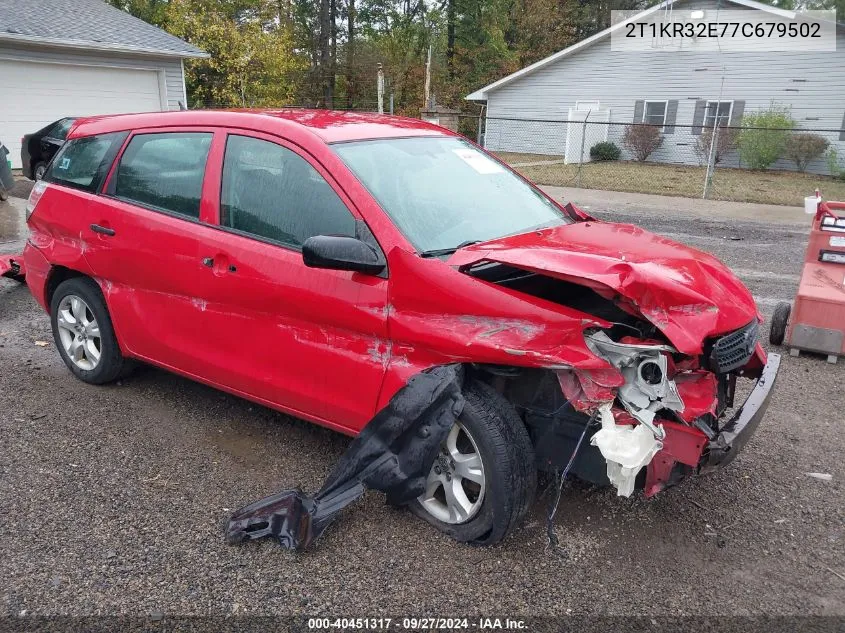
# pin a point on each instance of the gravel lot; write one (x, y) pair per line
(114, 498)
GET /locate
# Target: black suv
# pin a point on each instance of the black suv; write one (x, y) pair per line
(39, 148)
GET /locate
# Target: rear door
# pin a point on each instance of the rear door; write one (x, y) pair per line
(311, 341)
(144, 245)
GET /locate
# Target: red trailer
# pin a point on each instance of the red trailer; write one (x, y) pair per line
(817, 319)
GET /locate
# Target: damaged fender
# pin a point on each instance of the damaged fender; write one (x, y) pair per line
(393, 454)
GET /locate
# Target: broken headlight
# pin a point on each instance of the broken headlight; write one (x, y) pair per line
(647, 387)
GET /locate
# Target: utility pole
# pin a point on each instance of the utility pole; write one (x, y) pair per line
(427, 95)
(380, 89)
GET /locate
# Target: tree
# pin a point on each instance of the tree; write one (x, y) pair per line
(805, 148)
(253, 61)
(725, 143)
(641, 140)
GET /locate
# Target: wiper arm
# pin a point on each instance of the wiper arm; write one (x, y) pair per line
(439, 252)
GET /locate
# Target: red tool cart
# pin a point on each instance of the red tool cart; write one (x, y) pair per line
(817, 320)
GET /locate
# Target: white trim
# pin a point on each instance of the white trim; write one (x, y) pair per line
(184, 90)
(481, 94)
(665, 111)
(63, 62)
(96, 46)
(162, 90)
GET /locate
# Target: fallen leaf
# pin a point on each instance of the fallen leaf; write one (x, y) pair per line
(41, 343)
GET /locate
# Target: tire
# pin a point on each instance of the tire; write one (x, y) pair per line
(4, 195)
(780, 319)
(110, 364)
(509, 469)
(38, 170)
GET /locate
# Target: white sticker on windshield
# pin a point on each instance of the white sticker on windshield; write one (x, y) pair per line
(478, 161)
(65, 163)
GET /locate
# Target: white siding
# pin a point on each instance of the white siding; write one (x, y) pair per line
(812, 83)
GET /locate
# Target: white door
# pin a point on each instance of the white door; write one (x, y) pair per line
(585, 129)
(33, 94)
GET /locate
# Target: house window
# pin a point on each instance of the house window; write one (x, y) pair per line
(654, 113)
(718, 113)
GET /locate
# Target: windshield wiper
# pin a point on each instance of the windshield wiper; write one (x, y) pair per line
(439, 252)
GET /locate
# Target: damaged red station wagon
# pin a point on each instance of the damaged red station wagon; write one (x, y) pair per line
(315, 262)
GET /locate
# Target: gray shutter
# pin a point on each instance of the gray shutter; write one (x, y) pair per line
(736, 114)
(698, 116)
(639, 106)
(671, 115)
(842, 131)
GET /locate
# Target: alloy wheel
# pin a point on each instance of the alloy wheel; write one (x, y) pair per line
(456, 483)
(79, 332)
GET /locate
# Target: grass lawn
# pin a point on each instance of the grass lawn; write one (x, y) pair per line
(740, 185)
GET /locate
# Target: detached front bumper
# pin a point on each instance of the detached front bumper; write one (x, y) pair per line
(736, 432)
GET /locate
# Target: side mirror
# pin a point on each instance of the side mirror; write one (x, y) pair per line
(337, 252)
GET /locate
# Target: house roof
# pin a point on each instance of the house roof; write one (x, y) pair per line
(481, 94)
(86, 24)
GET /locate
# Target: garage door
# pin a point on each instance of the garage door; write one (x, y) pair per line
(35, 94)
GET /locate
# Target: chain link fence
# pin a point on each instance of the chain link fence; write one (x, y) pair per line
(743, 164)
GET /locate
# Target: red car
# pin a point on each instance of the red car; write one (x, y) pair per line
(315, 261)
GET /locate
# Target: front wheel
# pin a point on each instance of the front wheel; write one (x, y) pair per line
(484, 478)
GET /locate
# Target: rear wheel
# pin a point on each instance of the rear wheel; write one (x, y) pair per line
(484, 478)
(38, 171)
(83, 332)
(780, 319)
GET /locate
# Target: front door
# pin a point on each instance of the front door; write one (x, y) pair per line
(307, 340)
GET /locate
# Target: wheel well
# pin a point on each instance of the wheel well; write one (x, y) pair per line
(57, 275)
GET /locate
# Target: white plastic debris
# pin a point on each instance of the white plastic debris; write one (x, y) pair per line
(626, 448)
(822, 476)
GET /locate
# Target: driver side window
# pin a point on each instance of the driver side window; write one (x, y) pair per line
(271, 192)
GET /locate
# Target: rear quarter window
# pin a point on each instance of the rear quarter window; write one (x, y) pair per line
(82, 163)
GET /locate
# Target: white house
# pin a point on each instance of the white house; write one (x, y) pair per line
(683, 91)
(61, 58)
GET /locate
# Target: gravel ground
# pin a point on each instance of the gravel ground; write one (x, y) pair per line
(114, 499)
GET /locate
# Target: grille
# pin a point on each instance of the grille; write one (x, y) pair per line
(733, 350)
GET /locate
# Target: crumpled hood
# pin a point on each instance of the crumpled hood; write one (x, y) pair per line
(689, 295)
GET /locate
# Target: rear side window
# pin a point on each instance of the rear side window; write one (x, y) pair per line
(83, 162)
(273, 193)
(164, 171)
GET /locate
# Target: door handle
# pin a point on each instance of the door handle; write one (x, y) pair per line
(103, 230)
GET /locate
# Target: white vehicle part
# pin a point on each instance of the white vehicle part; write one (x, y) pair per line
(647, 387)
(626, 448)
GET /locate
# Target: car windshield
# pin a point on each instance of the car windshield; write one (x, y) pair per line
(443, 193)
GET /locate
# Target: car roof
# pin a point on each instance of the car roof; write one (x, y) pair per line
(329, 125)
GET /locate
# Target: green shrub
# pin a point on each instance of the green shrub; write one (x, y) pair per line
(764, 136)
(605, 151)
(832, 158)
(804, 148)
(642, 140)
